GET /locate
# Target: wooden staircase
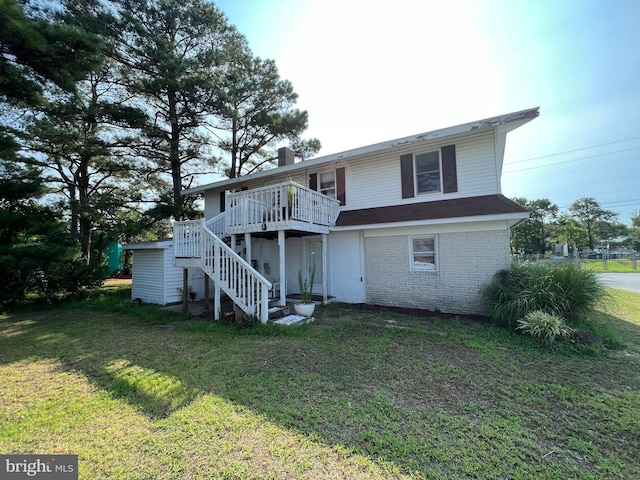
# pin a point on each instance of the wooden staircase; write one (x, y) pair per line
(196, 245)
(275, 208)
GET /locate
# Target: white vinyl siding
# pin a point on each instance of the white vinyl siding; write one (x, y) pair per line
(374, 180)
(211, 203)
(148, 276)
(173, 278)
(156, 279)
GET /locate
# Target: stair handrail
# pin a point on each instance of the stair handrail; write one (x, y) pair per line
(234, 275)
(217, 225)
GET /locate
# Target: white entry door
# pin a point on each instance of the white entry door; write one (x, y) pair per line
(347, 267)
(314, 259)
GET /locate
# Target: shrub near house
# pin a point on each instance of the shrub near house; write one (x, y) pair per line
(563, 290)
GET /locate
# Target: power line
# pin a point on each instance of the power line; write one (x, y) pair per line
(612, 204)
(574, 150)
(571, 161)
(603, 193)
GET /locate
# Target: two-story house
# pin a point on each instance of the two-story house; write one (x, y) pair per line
(416, 222)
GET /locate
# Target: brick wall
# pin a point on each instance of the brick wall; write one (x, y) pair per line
(467, 262)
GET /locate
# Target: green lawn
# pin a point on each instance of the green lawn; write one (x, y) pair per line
(613, 266)
(357, 394)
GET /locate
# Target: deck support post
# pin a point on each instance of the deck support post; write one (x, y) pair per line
(324, 268)
(185, 287)
(247, 244)
(283, 270)
(216, 283)
(206, 291)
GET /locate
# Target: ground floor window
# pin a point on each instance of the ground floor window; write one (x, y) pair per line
(423, 254)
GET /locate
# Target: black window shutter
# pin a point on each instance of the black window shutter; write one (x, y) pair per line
(223, 196)
(313, 181)
(449, 169)
(341, 194)
(406, 175)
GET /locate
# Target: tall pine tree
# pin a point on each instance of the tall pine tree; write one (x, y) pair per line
(171, 53)
(255, 112)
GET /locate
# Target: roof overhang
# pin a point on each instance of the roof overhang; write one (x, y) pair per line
(501, 124)
(151, 245)
(508, 220)
(482, 208)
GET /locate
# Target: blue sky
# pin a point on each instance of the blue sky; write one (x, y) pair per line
(370, 71)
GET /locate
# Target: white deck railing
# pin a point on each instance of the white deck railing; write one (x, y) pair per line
(279, 203)
(186, 238)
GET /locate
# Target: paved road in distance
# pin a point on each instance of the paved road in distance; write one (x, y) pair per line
(623, 281)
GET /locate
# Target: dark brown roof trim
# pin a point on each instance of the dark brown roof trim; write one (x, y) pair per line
(434, 210)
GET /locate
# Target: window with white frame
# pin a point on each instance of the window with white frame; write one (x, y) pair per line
(327, 183)
(423, 253)
(427, 168)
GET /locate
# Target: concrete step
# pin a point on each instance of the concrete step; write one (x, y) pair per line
(278, 312)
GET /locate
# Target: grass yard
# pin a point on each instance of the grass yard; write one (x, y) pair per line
(357, 394)
(613, 266)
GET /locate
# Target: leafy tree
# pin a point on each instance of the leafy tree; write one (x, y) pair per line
(614, 230)
(36, 253)
(532, 235)
(256, 111)
(129, 225)
(306, 148)
(569, 231)
(634, 231)
(592, 217)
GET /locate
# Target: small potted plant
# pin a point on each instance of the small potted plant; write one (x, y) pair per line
(291, 196)
(306, 306)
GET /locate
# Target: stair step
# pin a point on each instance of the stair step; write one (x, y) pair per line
(293, 320)
(278, 312)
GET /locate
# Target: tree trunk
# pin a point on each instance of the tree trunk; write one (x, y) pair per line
(234, 148)
(85, 218)
(590, 234)
(85, 237)
(174, 155)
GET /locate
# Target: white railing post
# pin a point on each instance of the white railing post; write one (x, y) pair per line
(216, 280)
(201, 239)
(264, 310)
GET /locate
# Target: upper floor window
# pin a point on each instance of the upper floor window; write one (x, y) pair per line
(427, 168)
(327, 183)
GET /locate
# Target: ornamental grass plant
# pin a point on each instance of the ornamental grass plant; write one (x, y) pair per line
(561, 289)
(545, 327)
